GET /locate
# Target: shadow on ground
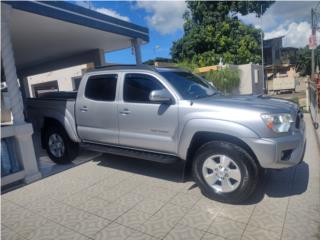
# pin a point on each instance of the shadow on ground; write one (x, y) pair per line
(282, 183)
(170, 172)
(274, 183)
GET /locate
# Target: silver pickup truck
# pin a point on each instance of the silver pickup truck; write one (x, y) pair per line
(168, 115)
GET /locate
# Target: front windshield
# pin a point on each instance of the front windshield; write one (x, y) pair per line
(189, 86)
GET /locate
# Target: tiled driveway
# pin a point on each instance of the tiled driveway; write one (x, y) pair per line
(117, 198)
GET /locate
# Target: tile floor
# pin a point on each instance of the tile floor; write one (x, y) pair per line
(113, 198)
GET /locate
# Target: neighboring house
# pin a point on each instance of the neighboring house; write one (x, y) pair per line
(272, 51)
(289, 55)
(279, 65)
(67, 79)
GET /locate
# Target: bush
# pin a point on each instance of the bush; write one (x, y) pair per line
(295, 100)
(187, 66)
(225, 79)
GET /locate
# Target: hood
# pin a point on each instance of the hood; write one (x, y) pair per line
(259, 103)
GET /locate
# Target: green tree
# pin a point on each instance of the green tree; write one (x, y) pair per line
(157, 59)
(304, 60)
(212, 31)
(225, 79)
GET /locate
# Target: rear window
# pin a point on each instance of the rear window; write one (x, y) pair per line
(102, 87)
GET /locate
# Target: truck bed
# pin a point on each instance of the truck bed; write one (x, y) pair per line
(59, 95)
(59, 106)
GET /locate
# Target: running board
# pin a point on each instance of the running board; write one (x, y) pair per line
(133, 153)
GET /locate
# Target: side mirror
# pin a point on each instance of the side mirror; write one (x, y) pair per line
(160, 96)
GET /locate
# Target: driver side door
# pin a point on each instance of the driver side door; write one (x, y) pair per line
(142, 123)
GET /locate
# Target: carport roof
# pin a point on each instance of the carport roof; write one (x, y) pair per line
(44, 31)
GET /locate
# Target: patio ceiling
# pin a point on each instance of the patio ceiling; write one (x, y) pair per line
(49, 31)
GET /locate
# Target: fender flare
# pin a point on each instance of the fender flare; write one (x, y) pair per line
(214, 126)
(64, 121)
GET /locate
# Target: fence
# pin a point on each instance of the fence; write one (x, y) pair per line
(314, 104)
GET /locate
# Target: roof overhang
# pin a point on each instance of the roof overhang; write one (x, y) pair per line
(47, 31)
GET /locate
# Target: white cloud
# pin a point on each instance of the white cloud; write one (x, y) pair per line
(164, 16)
(285, 18)
(112, 13)
(266, 21)
(281, 12)
(105, 11)
(295, 34)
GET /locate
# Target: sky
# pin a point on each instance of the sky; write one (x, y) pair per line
(164, 19)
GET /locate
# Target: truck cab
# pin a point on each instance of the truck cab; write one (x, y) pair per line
(129, 117)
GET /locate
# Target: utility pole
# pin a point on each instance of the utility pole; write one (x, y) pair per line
(311, 87)
(315, 13)
(262, 56)
(311, 47)
(313, 33)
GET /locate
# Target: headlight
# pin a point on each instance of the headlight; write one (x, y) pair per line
(279, 122)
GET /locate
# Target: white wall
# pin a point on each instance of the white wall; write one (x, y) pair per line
(251, 79)
(63, 76)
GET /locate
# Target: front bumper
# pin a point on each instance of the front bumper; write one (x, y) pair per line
(281, 152)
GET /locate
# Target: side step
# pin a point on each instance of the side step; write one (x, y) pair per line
(133, 153)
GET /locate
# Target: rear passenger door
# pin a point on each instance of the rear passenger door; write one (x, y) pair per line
(142, 123)
(96, 109)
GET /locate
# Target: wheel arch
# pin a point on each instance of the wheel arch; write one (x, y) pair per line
(49, 121)
(203, 137)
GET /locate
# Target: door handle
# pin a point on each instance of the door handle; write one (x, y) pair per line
(125, 111)
(84, 109)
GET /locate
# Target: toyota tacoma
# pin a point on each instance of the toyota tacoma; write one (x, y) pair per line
(168, 115)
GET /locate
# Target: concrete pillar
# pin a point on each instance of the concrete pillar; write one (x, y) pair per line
(102, 57)
(137, 50)
(22, 130)
(9, 66)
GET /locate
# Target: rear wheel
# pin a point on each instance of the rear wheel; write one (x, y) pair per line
(59, 146)
(225, 172)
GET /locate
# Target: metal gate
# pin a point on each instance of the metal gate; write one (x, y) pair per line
(314, 103)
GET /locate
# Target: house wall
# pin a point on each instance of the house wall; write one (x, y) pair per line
(251, 79)
(257, 81)
(62, 76)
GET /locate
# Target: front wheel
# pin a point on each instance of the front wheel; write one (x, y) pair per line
(225, 172)
(59, 147)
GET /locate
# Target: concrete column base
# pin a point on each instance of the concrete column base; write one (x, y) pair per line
(24, 149)
(32, 178)
(23, 135)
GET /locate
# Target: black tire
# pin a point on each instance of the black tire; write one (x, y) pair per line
(248, 168)
(71, 149)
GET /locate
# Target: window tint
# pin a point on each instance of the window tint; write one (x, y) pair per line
(137, 87)
(102, 87)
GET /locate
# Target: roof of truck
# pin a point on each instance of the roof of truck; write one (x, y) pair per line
(133, 66)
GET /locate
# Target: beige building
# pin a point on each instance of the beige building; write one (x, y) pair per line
(66, 79)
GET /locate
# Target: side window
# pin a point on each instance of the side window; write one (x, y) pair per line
(137, 87)
(102, 87)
